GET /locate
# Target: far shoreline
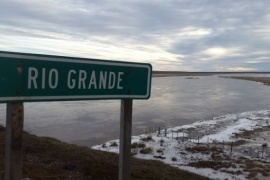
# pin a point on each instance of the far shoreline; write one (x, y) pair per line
(183, 73)
(264, 80)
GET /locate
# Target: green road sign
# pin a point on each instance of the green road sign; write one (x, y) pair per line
(31, 77)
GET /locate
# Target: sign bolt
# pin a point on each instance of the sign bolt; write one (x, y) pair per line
(18, 91)
(19, 68)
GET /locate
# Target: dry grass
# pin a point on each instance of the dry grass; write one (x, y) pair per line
(252, 168)
(239, 142)
(244, 134)
(248, 166)
(49, 158)
(216, 165)
(203, 149)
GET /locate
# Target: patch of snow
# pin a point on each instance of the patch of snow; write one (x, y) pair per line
(176, 150)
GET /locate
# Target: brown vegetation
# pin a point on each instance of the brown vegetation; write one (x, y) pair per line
(49, 158)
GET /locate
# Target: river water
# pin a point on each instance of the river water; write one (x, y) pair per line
(174, 101)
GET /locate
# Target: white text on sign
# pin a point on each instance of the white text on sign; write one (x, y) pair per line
(76, 79)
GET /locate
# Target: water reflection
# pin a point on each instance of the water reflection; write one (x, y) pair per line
(174, 101)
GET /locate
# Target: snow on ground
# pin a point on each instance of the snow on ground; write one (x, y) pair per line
(233, 146)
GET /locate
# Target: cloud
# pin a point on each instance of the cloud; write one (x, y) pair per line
(172, 35)
(217, 53)
(241, 69)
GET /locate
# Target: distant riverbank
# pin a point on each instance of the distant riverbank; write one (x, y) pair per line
(264, 80)
(182, 73)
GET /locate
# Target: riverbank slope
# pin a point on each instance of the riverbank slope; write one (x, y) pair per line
(49, 158)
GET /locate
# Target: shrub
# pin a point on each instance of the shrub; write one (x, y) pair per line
(114, 144)
(103, 146)
(148, 138)
(264, 145)
(134, 145)
(141, 145)
(160, 151)
(161, 142)
(146, 150)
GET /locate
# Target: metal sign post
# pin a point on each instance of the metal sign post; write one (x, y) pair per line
(125, 139)
(14, 132)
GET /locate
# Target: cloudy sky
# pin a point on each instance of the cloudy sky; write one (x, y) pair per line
(182, 35)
